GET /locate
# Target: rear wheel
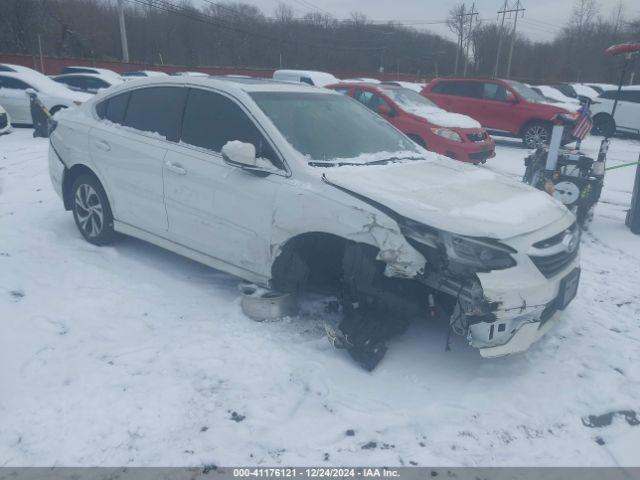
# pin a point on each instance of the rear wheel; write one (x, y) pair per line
(91, 210)
(604, 124)
(536, 134)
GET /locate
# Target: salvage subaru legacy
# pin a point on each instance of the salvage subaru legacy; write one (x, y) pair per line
(293, 187)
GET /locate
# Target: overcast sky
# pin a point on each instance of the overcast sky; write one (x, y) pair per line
(541, 20)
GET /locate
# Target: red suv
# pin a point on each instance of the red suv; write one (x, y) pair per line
(504, 107)
(451, 134)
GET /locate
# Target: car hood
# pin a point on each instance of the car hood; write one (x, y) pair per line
(441, 118)
(451, 196)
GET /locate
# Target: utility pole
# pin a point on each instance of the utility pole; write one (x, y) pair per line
(517, 11)
(460, 29)
(42, 61)
(503, 12)
(471, 16)
(123, 31)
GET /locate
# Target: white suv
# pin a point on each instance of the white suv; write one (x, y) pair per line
(627, 118)
(291, 187)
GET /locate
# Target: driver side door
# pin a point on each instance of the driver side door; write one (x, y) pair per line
(213, 208)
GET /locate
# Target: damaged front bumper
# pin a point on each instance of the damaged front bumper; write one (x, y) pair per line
(505, 312)
(525, 335)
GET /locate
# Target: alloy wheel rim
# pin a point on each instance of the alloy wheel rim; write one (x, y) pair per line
(89, 210)
(537, 136)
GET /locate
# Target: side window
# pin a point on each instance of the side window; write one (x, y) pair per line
(95, 83)
(156, 109)
(306, 80)
(116, 108)
(609, 94)
(629, 96)
(494, 91)
(211, 120)
(76, 82)
(368, 99)
(13, 83)
(460, 89)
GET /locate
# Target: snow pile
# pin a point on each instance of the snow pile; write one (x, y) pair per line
(130, 355)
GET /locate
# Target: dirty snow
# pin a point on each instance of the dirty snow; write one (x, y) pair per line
(130, 355)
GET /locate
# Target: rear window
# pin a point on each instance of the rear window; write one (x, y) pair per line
(460, 89)
(156, 109)
(114, 108)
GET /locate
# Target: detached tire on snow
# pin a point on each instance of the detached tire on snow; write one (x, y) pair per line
(536, 134)
(91, 210)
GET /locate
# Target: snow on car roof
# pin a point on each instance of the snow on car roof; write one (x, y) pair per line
(251, 84)
(39, 81)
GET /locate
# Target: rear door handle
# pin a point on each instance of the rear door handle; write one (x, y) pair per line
(175, 168)
(102, 145)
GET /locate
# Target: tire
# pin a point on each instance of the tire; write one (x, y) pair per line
(604, 124)
(91, 210)
(535, 134)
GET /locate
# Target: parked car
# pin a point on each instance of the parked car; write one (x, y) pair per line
(190, 74)
(86, 82)
(627, 117)
(452, 134)
(5, 121)
(142, 74)
(504, 107)
(374, 81)
(310, 77)
(580, 92)
(15, 80)
(416, 87)
(555, 95)
(602, 87)
(294, 187)
(104, 73)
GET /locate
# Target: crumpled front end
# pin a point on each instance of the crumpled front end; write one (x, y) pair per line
(513, 308)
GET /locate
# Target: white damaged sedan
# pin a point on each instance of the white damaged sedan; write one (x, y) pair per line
(294, 187)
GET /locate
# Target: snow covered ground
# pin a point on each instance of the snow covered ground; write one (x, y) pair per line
(130, 355)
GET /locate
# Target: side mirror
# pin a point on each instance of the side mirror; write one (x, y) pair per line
(512, 99)
(239, 154)
(384, 110)
(31, 92)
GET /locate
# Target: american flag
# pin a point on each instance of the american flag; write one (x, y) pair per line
(584, 123)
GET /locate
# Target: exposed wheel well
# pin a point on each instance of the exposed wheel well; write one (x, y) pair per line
(56, 108)
(70, 177)
(311, 260)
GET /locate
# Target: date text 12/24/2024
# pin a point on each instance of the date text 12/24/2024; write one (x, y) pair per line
(315, 472)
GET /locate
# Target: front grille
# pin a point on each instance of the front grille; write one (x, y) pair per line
(552, 264)
(477, 136)
(3, 120)
(559, 257)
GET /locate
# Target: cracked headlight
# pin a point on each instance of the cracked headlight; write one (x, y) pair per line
(481, 254)
(447, 133)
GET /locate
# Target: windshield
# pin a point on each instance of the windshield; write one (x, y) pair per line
(408, 99)
(331, 127)
(527, 93)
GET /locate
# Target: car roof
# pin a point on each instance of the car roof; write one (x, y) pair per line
(247, 85)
